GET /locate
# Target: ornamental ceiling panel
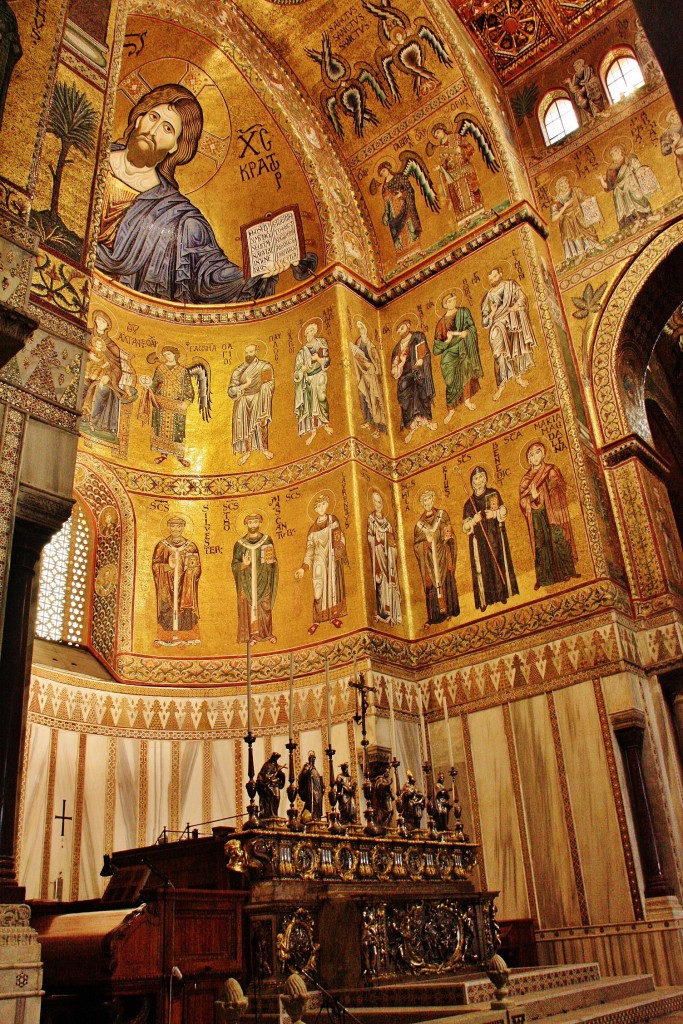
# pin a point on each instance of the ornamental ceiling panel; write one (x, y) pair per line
(514, 34)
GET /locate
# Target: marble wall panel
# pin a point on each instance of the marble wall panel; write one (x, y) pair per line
(92, 834)
(61, 844)
(223, 779)
(158, 788)
(126, 809)
(35, 797)
(501, 843)
(592, 801)
(190, 783)
(558, 903)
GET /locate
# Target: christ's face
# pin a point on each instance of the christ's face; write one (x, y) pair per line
(479, 483)
(155, 135)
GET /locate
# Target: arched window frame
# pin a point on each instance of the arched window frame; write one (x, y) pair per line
(65, 572)
(544, 106)
(606, 64)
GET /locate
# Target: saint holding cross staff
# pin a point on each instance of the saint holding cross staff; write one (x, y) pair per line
(484, 515)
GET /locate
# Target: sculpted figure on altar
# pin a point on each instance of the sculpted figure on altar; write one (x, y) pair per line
(346, 795)
(384, 799)
(269, 782)
(442, 804)
(311, 788)
(411, 803)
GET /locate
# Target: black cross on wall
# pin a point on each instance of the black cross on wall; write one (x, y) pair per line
(63, 817)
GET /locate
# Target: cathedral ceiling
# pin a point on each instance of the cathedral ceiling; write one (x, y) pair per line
(514, 34)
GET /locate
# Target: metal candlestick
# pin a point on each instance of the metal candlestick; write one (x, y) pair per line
(360, 687)
(400, 820)
(460, 836)
(432, 830)
(252, 821)
(333, 816)
(292, 791)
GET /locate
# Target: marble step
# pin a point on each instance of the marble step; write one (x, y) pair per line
(468, 990)
(632, 1009)
(537, 1005)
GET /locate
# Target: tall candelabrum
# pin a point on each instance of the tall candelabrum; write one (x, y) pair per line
(363, 690)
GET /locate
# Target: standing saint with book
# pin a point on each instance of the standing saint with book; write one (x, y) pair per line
(411, 368)
(251, 386)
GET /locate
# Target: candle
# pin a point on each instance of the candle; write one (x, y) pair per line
(424, 727)
(448, 732)
(291, 697)
(355, 681)
(329, 702)
(248, 687)
(392, 718)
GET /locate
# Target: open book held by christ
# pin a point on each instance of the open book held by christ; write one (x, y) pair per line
(276, 238)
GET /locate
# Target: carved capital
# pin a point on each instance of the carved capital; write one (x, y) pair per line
(634, 447)
(43, 508)
(15, 330)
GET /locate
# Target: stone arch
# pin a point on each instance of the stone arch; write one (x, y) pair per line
(634, 316)
(632, 319)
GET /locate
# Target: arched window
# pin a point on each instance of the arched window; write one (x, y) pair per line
(621, 74)
(63, 582)
(557, 116)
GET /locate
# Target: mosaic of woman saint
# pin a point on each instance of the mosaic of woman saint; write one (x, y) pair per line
(543, 500)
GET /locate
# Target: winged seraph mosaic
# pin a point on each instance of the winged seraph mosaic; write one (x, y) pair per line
(345, 90)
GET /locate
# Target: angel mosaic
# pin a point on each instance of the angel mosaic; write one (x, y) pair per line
(167, 396)
(400, 209)
(457, 174)
(344, 90)
(403, 48)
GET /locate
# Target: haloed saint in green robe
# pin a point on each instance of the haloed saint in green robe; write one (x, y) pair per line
(455, 340)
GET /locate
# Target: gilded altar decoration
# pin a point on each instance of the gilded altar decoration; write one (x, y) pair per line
(297, 950)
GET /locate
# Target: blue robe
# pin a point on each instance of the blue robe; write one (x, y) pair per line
(165, 247)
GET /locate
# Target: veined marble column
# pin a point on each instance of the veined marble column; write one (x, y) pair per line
(629, 728)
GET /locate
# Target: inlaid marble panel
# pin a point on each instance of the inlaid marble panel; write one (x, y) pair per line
(592, 801)
(556, 890)
(92, 837)
(501, 844)
(223, 779)
(61, 844)
(38, 740)
(126, 810)
(158, 788)
(191, 765)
